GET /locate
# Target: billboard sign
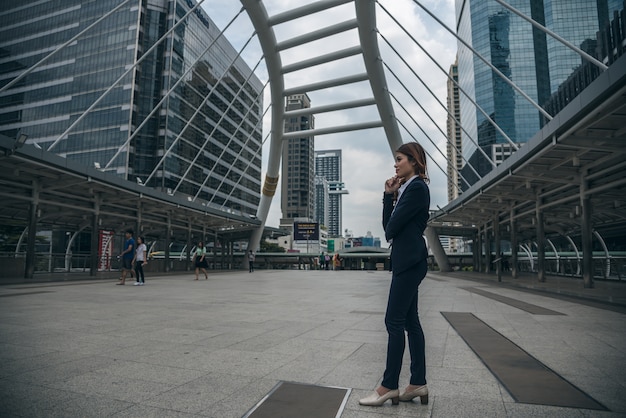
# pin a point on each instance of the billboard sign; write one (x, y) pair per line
(306, 231)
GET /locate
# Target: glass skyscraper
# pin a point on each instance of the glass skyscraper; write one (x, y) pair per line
(203, 140)
(534, 61)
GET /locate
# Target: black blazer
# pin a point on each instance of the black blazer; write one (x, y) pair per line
(406, 225)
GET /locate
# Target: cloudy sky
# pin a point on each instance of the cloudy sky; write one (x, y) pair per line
(367, 157)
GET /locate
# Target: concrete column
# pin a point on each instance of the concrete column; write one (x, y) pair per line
(479, 250)
(587, 236)
(231, 253)
(189, 245)
(475, 246)
(33, 214)
(435, 246)
(168, 237)
(541, 238)
(139, 228)
(95, 238)
(496, 237)
(487, 250)
(514, 245)
(215, 241)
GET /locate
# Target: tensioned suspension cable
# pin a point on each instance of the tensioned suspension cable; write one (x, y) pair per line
(430, 139)
(72, 39)
(483, 59)
(256, 154)
(225, 146)
(542, 28)
(208, 176)
(444, 107)
(427, 153)
(167, 95)
(484, 113)
(132, 68)
(216, 124)
(198, 110)
(448, 140)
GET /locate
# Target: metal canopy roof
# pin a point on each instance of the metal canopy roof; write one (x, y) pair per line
(582, 148)
(69, 194)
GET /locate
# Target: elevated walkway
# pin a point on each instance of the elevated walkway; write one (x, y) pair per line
(216, 348)
(606, 292)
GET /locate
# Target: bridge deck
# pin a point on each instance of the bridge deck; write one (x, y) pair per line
(215, 348)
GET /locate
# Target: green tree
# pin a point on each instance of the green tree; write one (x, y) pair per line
(270, 247)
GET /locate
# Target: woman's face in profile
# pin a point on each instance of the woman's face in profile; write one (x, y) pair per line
(404, 168)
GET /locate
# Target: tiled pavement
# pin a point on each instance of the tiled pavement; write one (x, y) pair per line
(183, 348)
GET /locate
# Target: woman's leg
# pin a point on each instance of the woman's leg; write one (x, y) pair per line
(402, 296)
(416, 336)
(137, 267)
(140, 275)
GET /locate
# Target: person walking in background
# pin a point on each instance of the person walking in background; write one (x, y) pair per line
(405, 212)
(251, 261)
(200, 260)
(127, 255)
(140, 260)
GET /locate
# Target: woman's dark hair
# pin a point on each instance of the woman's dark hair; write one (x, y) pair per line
(142, 239)
(201, 244)
(415, 153)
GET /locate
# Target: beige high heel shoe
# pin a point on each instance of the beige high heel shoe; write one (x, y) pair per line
(420, 391)
(377, 400)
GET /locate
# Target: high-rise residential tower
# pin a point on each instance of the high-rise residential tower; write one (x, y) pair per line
(454, 145)
(322, 194)
(89, 103)
(533, 60)
(454, 149)
(298, 169)
(328, 166)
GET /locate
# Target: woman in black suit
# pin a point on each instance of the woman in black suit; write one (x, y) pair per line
(405, 212)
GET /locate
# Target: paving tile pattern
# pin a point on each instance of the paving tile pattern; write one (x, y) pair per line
(183, 348)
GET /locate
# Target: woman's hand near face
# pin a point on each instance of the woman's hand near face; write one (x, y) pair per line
(392, 185)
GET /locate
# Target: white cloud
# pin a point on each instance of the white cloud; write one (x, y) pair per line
(367, 158)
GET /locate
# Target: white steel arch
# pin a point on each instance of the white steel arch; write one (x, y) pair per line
(365, 22)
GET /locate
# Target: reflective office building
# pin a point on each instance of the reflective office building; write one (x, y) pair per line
(185, 119)
(537, 63)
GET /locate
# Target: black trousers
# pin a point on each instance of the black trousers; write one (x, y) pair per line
(402, 315)
(139, 271)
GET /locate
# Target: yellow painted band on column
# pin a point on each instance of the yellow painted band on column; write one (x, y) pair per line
(269, 188)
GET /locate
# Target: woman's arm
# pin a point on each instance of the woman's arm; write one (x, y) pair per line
(414, 199)
(387, 208)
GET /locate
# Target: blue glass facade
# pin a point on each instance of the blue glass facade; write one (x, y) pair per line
(534, 61)
(216, 157)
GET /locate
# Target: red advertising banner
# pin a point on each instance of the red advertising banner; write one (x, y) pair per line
(105, 250)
